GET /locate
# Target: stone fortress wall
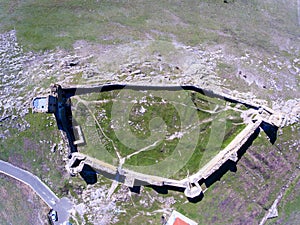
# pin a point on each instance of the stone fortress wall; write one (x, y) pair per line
(190, 185)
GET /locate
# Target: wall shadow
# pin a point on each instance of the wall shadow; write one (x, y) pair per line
(196, 199)
(165, 189)
(64, 121)
(88, 174)
(69, 92)
(135, 189)
(270, 130)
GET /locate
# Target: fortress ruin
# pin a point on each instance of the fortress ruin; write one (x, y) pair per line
(59, 103)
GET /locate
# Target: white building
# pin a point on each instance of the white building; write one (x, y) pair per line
(45, 104)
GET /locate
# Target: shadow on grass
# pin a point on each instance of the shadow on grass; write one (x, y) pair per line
(135, 189)
(166, 189)
(271, 131)
(88, 174)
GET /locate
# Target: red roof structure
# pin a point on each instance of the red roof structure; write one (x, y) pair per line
(177, 218)
(179, 221)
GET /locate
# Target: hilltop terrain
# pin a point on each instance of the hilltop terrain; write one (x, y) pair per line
(247, 48)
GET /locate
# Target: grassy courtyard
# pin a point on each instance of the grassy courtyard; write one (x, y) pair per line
(156, 132)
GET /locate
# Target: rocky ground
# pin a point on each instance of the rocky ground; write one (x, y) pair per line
(27, 74)
(13, 83)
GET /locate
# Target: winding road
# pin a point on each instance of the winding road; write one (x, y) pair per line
(62, 206)
(31, 180)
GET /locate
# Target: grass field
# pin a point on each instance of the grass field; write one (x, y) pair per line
(30, 150)
(248, 191)
(45, 24)
(158, 128)
(19, 203)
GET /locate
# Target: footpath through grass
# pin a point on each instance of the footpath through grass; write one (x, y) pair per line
(150, 131)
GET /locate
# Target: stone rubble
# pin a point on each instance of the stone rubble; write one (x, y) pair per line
(95, 206)
(291, 110)
(13, 106)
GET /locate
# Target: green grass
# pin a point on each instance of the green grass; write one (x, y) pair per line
(20, 203)
(218, 134)
(160, 118)
(30, 150)
(294, 204)
(45, 24)
(291, 209)
(227, 197)
(288, 207)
